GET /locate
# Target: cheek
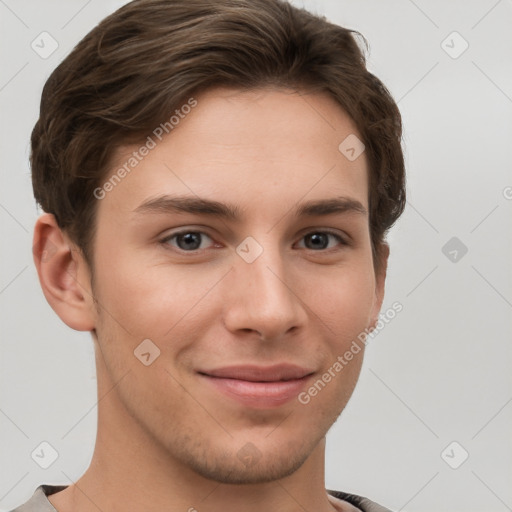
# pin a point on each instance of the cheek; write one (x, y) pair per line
(345, 307)
(151, 300)
(345, 302)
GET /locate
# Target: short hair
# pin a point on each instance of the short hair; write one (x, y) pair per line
(141, 63)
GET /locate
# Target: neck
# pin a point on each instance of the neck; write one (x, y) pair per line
(131, 471)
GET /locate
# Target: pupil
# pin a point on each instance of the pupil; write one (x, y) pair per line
(318, 237)
(190, 238)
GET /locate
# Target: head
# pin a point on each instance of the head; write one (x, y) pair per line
(246, 104)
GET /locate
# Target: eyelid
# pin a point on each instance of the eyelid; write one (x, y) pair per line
(343, 239)
(170, 236)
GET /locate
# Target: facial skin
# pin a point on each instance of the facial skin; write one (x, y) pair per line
(167, 437)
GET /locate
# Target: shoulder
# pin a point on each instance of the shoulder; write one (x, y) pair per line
(362, 503)
(39, 502)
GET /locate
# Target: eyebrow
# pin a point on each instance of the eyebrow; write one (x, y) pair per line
(197, 205)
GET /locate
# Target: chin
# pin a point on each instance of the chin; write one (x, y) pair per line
(267, 469)
(248, 464)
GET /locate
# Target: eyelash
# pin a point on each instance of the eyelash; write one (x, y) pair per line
(168, 238)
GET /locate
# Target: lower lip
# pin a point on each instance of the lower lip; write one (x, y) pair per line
(259, 394)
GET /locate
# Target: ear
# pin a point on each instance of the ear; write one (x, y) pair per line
(64, 275)
(380, 280)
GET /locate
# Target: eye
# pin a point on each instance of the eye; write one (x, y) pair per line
(190, 241)
(319, 240)
(186, 240)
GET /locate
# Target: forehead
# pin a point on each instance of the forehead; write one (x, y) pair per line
(275, 144)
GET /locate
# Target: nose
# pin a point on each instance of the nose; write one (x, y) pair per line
(260, 297)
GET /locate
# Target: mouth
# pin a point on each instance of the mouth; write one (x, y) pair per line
(256, 386)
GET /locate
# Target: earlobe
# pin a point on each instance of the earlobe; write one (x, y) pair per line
(63, 274)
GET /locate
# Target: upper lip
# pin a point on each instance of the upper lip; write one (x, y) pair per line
(259, 373)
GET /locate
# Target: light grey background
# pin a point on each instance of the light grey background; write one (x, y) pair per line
(439, 372)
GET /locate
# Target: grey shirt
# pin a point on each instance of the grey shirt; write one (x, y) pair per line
(40, 503)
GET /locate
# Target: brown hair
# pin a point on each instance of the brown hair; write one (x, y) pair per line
(133, 70)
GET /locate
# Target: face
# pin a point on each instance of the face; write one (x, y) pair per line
(239, 249)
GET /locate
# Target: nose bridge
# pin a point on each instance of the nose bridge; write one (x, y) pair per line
(261, 297)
